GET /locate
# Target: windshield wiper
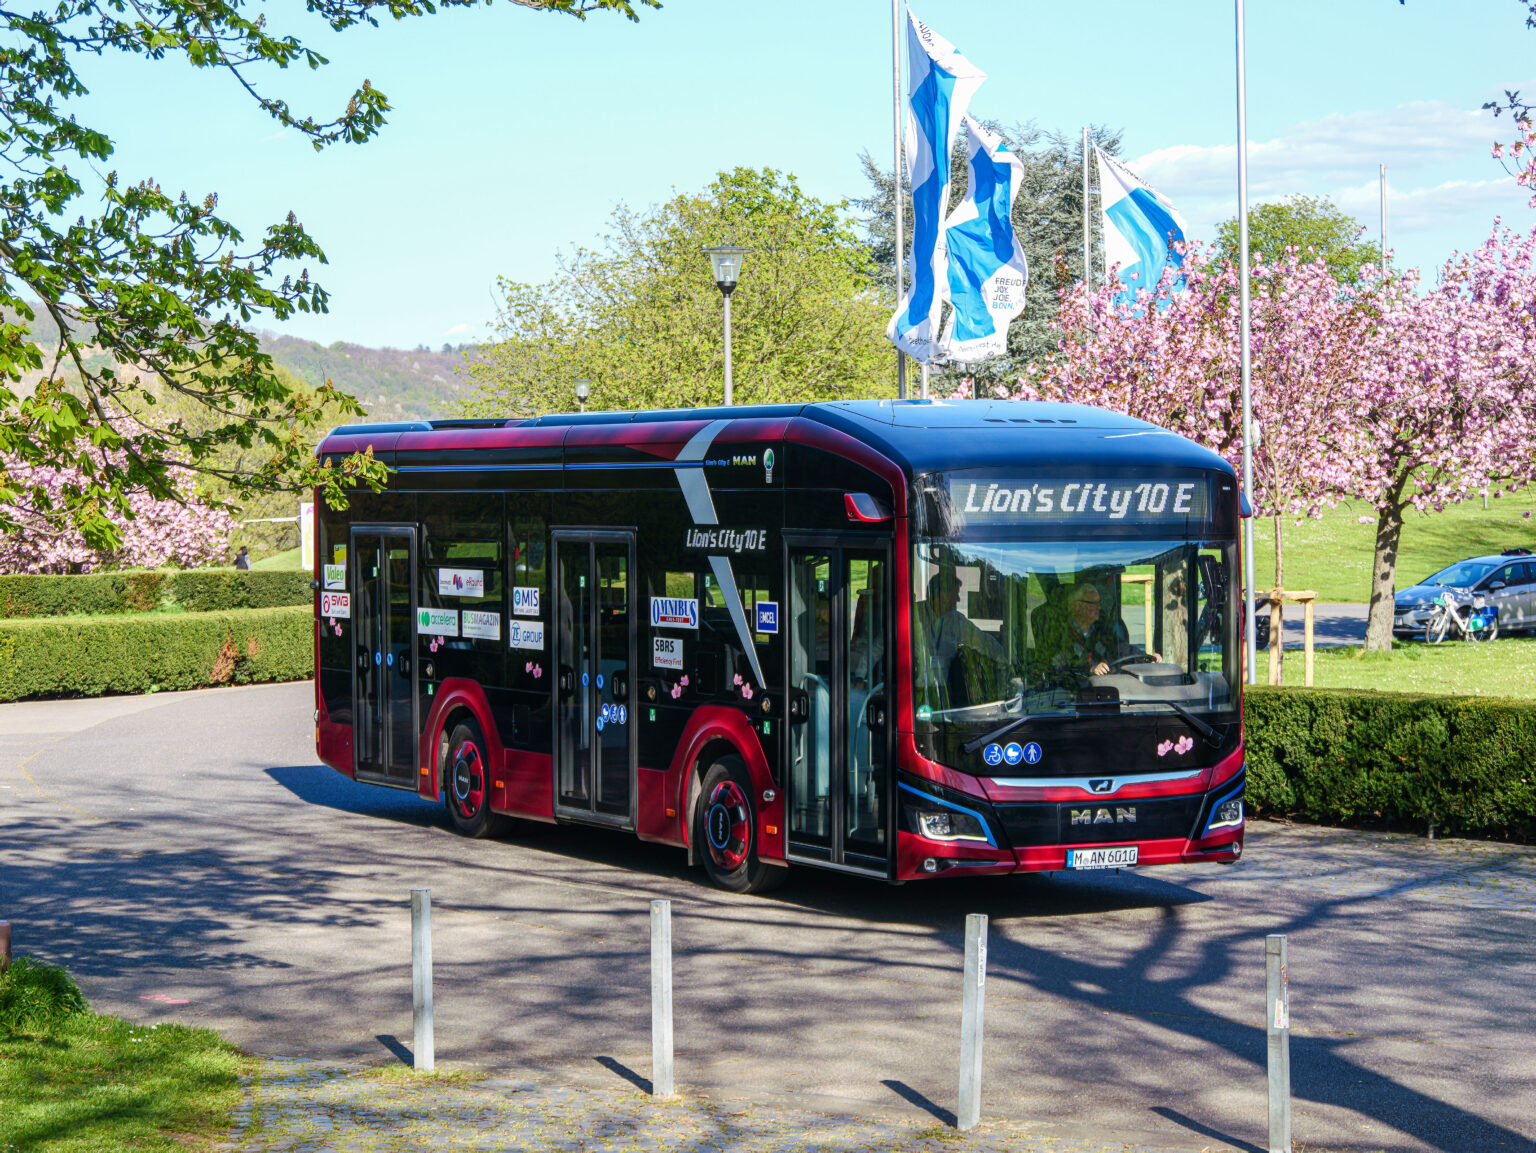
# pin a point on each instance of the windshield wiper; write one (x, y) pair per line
(1195, 722)
(1004, 729)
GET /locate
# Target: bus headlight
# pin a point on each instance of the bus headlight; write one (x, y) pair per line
(944, 825)
(1228, 813)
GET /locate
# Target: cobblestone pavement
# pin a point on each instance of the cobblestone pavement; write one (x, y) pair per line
(1375, 866)
(298, 1106)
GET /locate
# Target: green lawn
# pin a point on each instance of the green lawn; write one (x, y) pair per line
(1501, 668)
(75, 1082)
(1333, 555)
(289, 559)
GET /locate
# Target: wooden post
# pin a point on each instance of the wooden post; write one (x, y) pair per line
(1276, 636)
(1308, 631)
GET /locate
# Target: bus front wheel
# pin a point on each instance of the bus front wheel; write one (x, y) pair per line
(725, 831)
(468, 792)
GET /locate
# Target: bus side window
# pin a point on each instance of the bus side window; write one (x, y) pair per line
(528, 600)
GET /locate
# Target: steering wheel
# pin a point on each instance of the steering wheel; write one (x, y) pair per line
(1133, 659)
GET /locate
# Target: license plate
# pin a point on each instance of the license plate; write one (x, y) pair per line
(1101, 858)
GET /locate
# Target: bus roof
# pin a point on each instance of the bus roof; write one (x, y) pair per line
(995, 432)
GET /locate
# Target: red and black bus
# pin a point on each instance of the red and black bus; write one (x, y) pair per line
(902, 639)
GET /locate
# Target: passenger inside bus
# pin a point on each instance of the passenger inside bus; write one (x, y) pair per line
(949, 634)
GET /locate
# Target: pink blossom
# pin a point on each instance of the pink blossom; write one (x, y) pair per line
(746, 692)
(1164, 748)
(1184, 744)
(677, 691)
(736, 680)
(683, 680)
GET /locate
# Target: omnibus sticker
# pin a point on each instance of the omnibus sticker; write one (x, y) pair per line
(525, 634)
(336, 604)
(525, 601)
(767, 616)
(335, 576)
(460, 582)
(667, 653)
(487, 626)
(674, 613)
(440, 622)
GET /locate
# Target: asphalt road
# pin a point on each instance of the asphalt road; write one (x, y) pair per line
(188, 860)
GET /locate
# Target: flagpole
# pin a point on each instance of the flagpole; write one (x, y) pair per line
(901, 252)
(1087, 219)
(1250, 636)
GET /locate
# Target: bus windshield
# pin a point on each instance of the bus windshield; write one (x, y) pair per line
(1007, 630)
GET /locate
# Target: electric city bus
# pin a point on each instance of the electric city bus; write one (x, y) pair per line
(901, 639)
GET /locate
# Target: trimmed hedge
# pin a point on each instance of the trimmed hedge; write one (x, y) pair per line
(1467, 765)
(114, 593)
(86, 658)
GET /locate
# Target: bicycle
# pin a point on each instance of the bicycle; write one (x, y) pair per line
(1468, 614)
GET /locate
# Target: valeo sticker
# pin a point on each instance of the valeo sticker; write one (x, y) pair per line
(336, 576)
(440, 622)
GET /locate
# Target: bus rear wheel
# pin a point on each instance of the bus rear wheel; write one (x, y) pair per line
(467, 791)
(725, 831)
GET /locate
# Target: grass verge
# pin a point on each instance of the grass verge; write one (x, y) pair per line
(72, 1081)
(1501, 668)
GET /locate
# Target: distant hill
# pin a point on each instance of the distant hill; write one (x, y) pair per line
(392, 384)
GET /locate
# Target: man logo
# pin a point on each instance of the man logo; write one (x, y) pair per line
(1101, 785)
(1103, 816)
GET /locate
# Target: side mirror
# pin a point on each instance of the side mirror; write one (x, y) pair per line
(1495, 586)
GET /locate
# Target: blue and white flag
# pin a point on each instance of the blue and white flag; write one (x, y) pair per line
(940, 85)
(1140, 228)
(987, 270)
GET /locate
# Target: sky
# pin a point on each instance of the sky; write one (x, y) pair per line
(514, 133)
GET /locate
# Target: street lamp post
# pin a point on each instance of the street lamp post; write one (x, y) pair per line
(583, 390)
(725, 260)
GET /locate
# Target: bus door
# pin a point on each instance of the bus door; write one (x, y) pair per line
(594, 624)
(839, 742)
(384, 673)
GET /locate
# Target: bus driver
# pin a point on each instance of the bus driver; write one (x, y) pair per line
(1085, 643)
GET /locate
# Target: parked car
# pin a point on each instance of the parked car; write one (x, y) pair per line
(1506, 581)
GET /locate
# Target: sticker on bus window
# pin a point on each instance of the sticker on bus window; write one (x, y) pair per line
(667, 652)
(674, 613)
(335, 576)
(525, 634)
(486, 626)
(767, 616)
(460, 582)
(438, 622)
(525, 601)
(336, 604)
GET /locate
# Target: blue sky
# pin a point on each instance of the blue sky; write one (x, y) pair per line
(515, 132)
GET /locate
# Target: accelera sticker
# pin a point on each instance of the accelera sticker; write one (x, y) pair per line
(460, 582)
(335, 576)
(674, 613)
(336, 604)
(439, 622)
(667, 652)
(484, 625)
(525, 634)
(525, 601)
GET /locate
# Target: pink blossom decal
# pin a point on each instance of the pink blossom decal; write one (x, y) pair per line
(528, 668)
(1184, 745)
(683, 680)
(736, 680)
(1165, 748)
(746, 692)
(677, 690)
(538, 671)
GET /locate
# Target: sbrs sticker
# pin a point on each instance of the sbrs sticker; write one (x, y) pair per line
(667, 652)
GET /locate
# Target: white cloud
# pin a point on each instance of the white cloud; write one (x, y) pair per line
(1430, 147)
(460, 330)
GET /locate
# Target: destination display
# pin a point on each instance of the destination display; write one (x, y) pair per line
(1081, 501)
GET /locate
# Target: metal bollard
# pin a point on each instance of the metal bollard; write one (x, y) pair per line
(661, 998)
(421, 977)
(972, 1011)
(5, 945)
(1278, 1009)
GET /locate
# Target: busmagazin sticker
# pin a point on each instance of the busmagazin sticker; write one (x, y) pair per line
(438, 622)
(460, 582)
(486, 626)
(336, 604)
(525, 634)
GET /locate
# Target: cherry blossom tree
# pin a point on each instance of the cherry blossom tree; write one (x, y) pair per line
(182, 531)
(1375, 390)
